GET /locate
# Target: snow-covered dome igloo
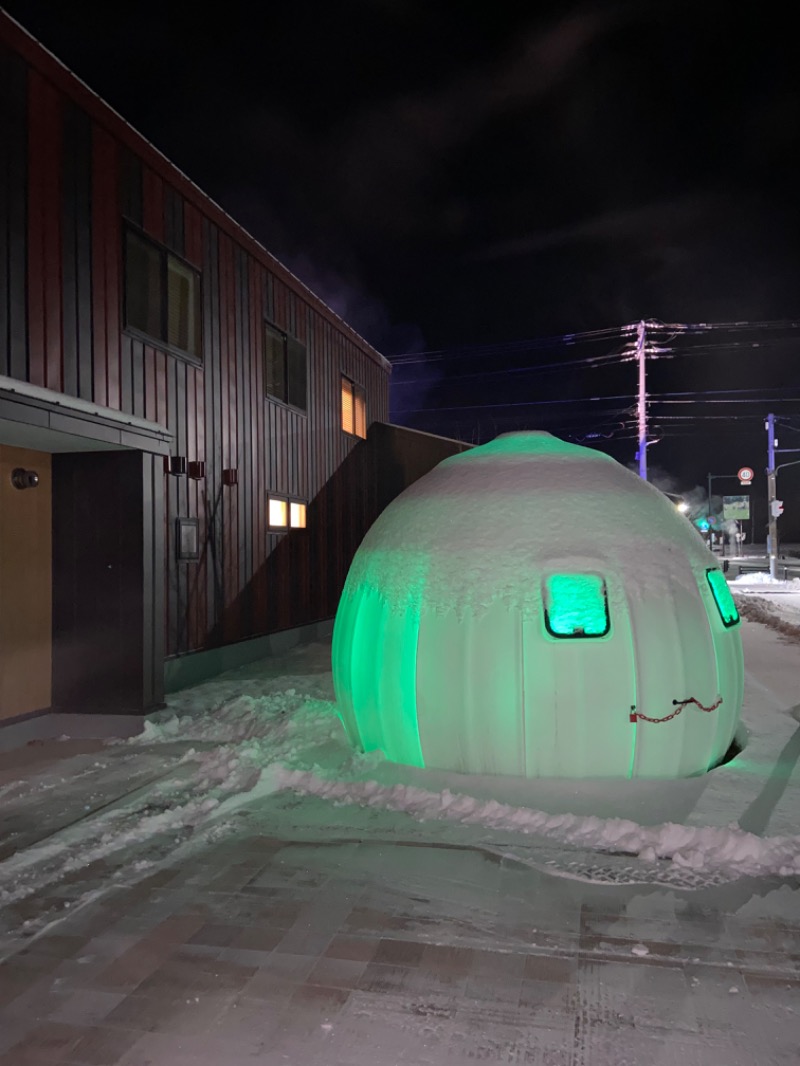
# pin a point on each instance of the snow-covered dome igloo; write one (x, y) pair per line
(524, 609)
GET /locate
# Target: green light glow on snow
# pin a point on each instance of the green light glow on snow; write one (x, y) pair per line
(375, 660)
(409, 747)
(575, 605)
(722, 598)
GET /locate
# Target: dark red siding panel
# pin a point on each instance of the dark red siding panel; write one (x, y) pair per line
(138, 382)
(112, 267)
(265, 453)
(153, 204)
(173, 220)
(131, 187)
(197, 505)
(106, 232)
(44, 234)
(212, 388)
(193, 244)
(173, 589)
(244, 436)
(77, 253)
(150, 401)
(13, 214)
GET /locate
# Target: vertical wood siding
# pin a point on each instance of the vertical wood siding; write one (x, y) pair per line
(70, 177)
(13, 213)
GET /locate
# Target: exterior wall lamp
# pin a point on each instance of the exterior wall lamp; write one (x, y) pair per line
(24, 479)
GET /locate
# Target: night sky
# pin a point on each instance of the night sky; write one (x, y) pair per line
(458, 178)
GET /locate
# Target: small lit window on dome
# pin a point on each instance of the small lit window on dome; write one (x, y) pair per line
(576, 605)
(722, 597)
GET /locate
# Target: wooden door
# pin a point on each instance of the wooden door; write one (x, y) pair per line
(26, 593)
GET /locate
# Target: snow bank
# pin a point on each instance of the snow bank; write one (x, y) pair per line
(781, 614)
(762, 577)
(703, 849)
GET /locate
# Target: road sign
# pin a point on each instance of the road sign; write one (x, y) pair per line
(745, 475)
(735, 508)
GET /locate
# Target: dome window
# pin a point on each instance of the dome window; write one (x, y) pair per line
(722, 597)
(576, 605)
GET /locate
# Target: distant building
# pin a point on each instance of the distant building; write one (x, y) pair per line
(192, 414)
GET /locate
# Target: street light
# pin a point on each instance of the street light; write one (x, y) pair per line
(680, 504)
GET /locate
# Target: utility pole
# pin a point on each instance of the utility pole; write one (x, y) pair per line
(641, 338)
(772, 496)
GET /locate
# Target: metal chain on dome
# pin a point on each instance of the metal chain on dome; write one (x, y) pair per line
(679, 706)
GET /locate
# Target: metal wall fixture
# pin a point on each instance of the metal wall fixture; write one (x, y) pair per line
(178, 465)
(187, 538)
(24, 479)
(175, 464)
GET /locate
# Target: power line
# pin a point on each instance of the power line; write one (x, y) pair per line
(652, 398)
(613, 357)
(516, 403)
(764, 401)
(709, 418)
(507, 347)
(568, 339)
(720, 392)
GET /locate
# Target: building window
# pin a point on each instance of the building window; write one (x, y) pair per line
(162, 295)
(576, 605)
(286, 514)
(354, 408)
(278, 513)
(284, 367)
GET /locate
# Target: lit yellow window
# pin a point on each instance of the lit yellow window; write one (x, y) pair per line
(297, 515)
(278, 513)
(347, 406)
(354, 409)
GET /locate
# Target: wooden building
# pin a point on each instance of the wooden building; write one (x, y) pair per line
(183, 463)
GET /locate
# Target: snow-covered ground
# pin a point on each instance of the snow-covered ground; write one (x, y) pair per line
(271, 727)
(260, 753)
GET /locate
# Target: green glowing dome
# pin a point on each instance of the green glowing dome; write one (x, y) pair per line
(523, 609)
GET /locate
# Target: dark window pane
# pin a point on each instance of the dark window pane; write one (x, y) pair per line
(183, 306)
(143, 298)
(275, 363)
(296, 393)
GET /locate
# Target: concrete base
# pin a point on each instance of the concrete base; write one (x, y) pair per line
(186, 670)
(75, 726)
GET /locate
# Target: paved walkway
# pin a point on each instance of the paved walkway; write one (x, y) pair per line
(332, 952)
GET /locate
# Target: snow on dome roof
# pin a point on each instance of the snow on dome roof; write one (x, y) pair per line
(486, 523)
(525, 443)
